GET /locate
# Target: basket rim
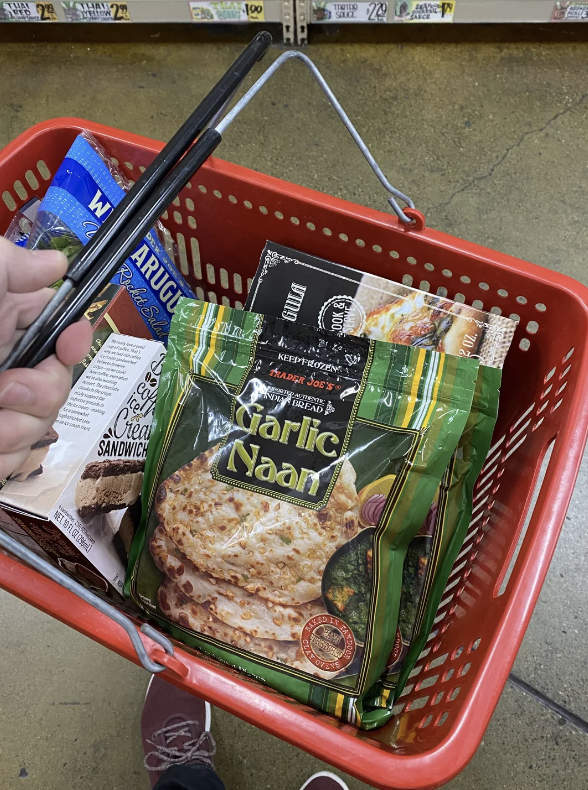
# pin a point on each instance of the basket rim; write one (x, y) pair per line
(428, 769)
(439, 239)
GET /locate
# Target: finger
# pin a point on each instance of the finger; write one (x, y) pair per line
(12, 461)
(40, 391)
(73, 344)
(22, 271)
(28, 306)
(20, 431)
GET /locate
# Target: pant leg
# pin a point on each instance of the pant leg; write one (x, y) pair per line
(189, 777)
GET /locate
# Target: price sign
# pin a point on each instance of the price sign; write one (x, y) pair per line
(95, 12)
(27, 12)
(345, 11)
(227, 11)
(424, 10)
(570, 12)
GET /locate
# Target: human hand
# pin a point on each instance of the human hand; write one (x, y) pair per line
(31, 398)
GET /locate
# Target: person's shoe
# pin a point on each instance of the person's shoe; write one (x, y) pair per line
(175, 729)
(324, 780)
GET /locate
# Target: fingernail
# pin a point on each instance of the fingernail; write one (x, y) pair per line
(15, 394)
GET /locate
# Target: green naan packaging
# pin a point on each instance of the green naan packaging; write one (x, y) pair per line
(303, 288)
(273, 444)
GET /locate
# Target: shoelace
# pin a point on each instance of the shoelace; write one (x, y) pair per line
(200, 750)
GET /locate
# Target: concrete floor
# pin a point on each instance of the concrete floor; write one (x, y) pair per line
(490, 142)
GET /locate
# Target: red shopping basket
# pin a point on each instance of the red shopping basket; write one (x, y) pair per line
(221, 222)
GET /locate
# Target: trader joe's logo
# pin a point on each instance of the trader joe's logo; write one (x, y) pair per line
(328, 643)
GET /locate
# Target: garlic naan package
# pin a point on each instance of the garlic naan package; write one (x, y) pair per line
(303, 288)
(287, 473)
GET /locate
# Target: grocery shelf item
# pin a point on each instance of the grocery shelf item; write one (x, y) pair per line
(74, 489)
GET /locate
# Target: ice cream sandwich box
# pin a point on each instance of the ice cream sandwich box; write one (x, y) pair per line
(74, 494)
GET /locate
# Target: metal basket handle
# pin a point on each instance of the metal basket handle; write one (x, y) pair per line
(53, 573)
(220, 127)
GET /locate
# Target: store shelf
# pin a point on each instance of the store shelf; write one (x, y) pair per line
(148, 11)
(341, 12)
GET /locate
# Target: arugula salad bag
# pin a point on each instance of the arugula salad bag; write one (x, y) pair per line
(269, 438)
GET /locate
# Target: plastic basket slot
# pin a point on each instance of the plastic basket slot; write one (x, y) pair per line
(546, 391)
(210, 273)
(568, 355)
(43, 170)
(538, 424)
(442, 291)
(487, 477)
(424, 653)
(436, 662)
(556, 405)
(196, 264)
(224, 278)
(416, 671)
(565, 372)
(515, 448)
(436, 699)
(416, 704)
(398, 708)
(480, 503)
(212, 297)
(504, 578)
(515, 436)
(517, 422)
(32, 180)
(442, 718)
(525, 344)
(237, 283)
(476, 519)
(200, 294)
(549, 375)
(561, 389)
(446, 600)
(406, 690)
(543, 406)
(407, 279)
(425, 721)
(497, 444)
(20, 190)
(453, 693)
(451, 585)
(474, 645)
(457, 569)
(478, 494)
(181, 242)
(447, 675)
(8, 200)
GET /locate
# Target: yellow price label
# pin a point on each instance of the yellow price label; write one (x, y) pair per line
(255, 11)
(120, 12)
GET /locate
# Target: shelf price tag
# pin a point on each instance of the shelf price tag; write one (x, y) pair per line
(27, 12)
(569, 12)
(345, 11)
(226, 11)
(424, 10)
(95, 12)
